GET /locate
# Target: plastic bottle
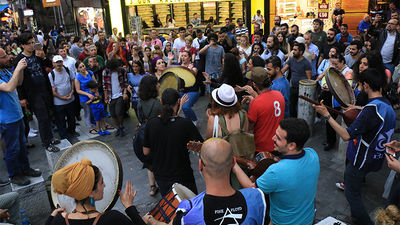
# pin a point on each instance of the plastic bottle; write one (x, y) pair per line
(24, 218)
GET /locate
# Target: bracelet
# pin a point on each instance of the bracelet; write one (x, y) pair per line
(327, 117)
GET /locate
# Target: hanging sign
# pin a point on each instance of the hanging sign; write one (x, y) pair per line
(51, 3)
(323, 9)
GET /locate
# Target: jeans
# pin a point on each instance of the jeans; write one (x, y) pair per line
(10, 201)
(330, 132)
(16, 155)
(353, 180)
(293, 99)
(87, 114)
(390, 67)
(43, 114)
(63, 111)
(187, 107)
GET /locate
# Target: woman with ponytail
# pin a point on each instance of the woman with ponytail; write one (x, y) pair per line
(165, 139)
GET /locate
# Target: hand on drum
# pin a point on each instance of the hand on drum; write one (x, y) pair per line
(56, 211)
(127, 197)
(321, 109)
(355, 107)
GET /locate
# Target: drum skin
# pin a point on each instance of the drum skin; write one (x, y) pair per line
(340, 87)
(102, 156)
(171, 78)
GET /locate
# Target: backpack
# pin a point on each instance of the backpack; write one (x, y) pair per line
(242, 142)
(54, 76)
(138, 137)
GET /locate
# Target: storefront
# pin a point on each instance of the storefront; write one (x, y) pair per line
(90, 15)
(303, 12)
(182, 12)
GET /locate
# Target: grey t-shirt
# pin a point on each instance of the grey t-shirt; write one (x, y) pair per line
(349, 60)
(298, 70)
(214, 59)
(63, 83)
(146, 106)
(319, 38)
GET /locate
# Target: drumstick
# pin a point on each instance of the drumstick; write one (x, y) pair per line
(317, 103)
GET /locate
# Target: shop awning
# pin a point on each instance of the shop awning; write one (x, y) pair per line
(3, 7)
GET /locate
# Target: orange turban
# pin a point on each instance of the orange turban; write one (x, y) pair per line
(75, 180)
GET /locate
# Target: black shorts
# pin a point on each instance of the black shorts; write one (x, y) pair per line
(117, 107)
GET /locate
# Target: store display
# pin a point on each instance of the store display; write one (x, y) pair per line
(286, 8)
(180, 15)
(194, 8)
(209, 10)
(136, 25)
(223, 10)
(162, 11)
(147, 14)
(236, 10)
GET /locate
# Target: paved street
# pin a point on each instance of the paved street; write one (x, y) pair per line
(330, 201)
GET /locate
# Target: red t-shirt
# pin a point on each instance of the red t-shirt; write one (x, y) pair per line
(192, 50)
(266, 110)
(82, 56)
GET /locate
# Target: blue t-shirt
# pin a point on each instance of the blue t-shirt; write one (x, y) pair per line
(281, 84)
(10, 108)
(292, 184)
(298, 70)
(84, 81)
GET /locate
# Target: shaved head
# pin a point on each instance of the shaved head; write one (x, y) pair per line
(217, 157)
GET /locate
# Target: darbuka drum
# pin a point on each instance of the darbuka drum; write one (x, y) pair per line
(165, 209)
(171, 78)
(102, 156)
(340, 87)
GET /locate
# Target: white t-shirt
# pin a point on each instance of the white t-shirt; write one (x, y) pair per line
(178, 44)
(69, 62)
(196, 44)
(256, 17)
(63, 83)
(116, 89)
(248, 50)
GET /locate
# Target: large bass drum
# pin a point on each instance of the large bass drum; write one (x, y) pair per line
(176, 77)
(102, 156)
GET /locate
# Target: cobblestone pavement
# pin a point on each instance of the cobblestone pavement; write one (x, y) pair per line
(330, 201)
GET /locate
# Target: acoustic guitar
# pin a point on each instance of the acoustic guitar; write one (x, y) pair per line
(255, 168)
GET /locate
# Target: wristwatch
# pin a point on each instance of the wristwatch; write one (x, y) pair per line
(327, 117)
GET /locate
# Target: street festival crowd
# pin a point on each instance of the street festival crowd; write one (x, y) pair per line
(252, 82)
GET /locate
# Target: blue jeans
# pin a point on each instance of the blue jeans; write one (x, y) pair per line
(390, 67)
(353, 179)
(187, 107)
(16, 156)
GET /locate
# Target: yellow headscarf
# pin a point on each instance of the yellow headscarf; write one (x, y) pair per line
(75, 180)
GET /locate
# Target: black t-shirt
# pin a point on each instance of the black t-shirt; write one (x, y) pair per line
(226, 46)
(222, 210)
(327, 47)
(338, 12)
(167, 143)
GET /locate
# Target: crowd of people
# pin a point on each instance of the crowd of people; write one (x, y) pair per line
(252, 81)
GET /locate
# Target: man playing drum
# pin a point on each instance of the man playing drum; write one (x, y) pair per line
(220, 203)
(292, 182)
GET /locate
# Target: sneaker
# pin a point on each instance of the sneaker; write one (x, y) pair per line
(101, 133)
(118, 132)
(33, 130)
(108, 115)
(55, 141)
(52, 148)
(122, 133)
(32, 134)
(317, 120)
(195, 122)
(20, 180)
(340, 186)
(32, 173)
(4, 182)
(107, 132)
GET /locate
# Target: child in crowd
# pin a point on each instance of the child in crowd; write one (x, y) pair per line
(147, 43)
(97, 108)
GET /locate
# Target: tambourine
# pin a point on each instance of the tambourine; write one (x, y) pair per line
(102, 156)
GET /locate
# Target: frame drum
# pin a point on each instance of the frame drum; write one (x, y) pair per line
(340, 87)
(170, 78)
(102, 156)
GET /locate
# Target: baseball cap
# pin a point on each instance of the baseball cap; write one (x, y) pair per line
(57, 58)
(300, 40)
(258, 75)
